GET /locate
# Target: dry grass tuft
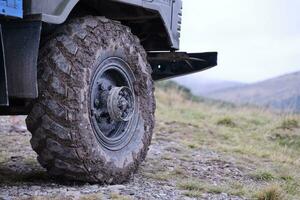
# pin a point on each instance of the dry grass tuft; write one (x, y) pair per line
(273, 192)
(115, 196)
(289, 124)
(288, 139)
(193, 193)
(97, 196)
(262, 176)
(191, 185)
(226, 121)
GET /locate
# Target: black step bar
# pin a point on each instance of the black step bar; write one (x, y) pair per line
(167, 65)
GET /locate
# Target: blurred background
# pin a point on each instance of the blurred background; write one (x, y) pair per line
(259, 48)
(246, 109)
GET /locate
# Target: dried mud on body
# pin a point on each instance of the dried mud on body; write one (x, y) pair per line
(199, 151)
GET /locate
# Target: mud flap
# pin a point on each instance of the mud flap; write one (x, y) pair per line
(3, 80)
(21, 41)
(167, 65)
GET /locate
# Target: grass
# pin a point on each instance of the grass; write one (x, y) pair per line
(3, 157)
(167, 157)
(272, 192)
(264, 145)
(287, 136)
(191, 145)
(97, 196)
(226, 121)
(191, 185)
(160, 176)
(115, 196)
(196, 188)
(289, 124)
(193, 193)
(165, 175)
(262, 176)
(267, 144)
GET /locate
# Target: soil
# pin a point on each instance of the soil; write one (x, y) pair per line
(168, 161)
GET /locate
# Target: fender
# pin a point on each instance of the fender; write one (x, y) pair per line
(54, 11)
(57, 11)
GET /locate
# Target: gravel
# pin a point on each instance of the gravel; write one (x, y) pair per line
(21, 177)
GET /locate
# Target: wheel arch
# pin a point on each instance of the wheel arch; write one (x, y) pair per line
(151, 21)
(54, 12)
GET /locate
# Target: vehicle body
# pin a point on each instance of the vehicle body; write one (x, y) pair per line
(27, 25)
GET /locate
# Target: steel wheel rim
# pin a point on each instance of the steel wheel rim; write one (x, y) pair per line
(111, 79)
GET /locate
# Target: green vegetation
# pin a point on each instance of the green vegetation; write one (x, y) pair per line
(193, 193)
(265, 145)
(226, 121)
(289, 124)
(191, 185)
(203, 147)
(171, 85)
(196, 188)
(263, 176)
(289, 140)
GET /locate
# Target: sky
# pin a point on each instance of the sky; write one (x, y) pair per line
(255, 39)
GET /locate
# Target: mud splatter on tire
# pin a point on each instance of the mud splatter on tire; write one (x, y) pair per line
(62, 134)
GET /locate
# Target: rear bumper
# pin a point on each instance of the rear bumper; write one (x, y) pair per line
(167, 65)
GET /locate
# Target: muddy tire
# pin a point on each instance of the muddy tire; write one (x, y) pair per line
(75, 132)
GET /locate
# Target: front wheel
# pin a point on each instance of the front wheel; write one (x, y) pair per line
(94, 117)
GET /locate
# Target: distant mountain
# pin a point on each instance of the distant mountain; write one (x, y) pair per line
(202, 86)
(281, 93)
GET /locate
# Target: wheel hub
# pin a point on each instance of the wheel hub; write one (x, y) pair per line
(120, 103)
(113, 104)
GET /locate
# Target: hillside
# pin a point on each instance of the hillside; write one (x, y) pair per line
(282, 93)
(202, 86)
(200, 150)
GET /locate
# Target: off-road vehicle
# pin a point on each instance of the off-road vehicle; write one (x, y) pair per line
(83, 72)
